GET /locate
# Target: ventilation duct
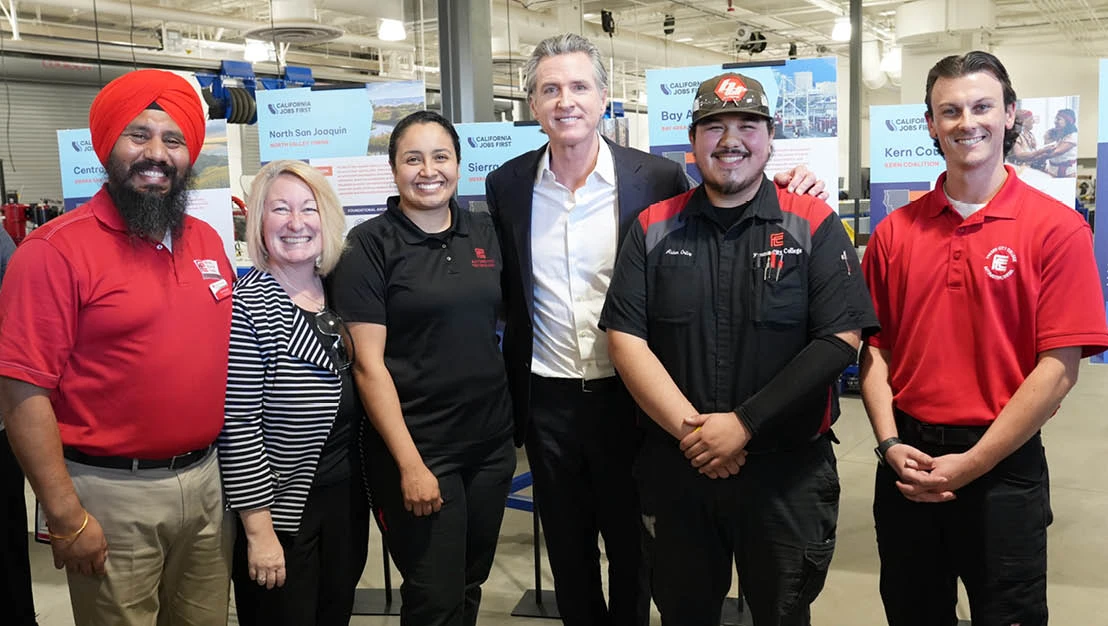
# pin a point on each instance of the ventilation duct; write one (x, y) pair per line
(927, 21)
(872, 76)
(295, 22)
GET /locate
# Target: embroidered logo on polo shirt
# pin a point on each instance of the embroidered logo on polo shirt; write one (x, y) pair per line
(1001, 263)
(209, 269)
(776, 240)
(482, 259)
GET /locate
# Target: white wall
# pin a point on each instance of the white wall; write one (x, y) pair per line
(638, 130)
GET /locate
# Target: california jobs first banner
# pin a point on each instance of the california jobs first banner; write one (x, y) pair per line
(904, 161)
(485, 147)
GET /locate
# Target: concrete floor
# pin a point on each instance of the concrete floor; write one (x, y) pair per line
(1077, 446)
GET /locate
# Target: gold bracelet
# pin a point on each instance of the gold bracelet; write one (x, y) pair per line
(80, 530)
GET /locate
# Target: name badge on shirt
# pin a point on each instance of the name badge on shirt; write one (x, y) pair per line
(220, 289)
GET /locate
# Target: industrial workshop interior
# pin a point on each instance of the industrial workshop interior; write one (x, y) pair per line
(845, 80)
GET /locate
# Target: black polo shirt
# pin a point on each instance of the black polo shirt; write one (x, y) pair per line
(439, 297)
(726, 308)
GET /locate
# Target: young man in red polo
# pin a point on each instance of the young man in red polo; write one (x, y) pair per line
(988, 298)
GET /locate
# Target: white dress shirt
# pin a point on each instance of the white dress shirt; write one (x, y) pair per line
(574, 236)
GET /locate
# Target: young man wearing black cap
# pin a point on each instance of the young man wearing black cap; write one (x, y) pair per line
(732, 309)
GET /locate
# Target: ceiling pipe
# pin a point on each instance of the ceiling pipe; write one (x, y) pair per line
(532, 27)
(85, 53)
(166, 14)
(836, 9)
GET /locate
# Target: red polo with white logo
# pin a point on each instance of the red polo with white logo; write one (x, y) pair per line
(967, 306)
(130, 338)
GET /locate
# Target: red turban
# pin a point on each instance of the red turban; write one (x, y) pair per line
(121, 101)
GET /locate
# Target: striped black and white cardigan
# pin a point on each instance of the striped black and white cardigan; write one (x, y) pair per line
(282, 397)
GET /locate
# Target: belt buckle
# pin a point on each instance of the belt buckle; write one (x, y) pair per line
(134, 465)
(585, 386)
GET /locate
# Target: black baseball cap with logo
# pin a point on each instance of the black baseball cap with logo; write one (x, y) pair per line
(729, 93)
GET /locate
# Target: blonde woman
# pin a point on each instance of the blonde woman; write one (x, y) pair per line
(288, 450)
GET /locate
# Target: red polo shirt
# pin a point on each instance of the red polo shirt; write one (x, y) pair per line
(130, 338)
(967, 306)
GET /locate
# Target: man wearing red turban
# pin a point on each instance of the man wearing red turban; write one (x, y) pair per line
(114, 326)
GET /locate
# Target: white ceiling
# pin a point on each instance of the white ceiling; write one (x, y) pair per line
(198, 33)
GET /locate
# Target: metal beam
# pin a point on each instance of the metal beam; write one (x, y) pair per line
(854, 156)
(465, 56)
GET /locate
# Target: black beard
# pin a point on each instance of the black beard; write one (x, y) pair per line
(729, 187)
(150, 214)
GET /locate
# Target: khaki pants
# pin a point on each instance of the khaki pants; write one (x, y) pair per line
(169, 546)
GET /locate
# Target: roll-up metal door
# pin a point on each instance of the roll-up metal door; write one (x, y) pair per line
(30, 116)
(251, 151)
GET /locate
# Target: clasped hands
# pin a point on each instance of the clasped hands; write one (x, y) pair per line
(924, 478)
(715, 443)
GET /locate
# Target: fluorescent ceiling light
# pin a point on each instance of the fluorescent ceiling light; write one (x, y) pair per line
(841, 31)
(684, 39)
(391, 30)
(256, 51)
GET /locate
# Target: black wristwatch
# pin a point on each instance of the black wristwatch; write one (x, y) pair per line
(883, 448)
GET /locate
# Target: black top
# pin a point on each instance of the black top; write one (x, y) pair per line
(727, 309)
(339, 456)
(439, 297)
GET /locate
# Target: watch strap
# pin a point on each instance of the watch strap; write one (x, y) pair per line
(883, 448)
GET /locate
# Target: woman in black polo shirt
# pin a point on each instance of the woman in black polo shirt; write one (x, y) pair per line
(420, 287)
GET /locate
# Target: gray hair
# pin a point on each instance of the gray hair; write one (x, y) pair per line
(567, 43)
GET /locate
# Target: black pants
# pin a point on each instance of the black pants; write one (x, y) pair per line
(323, 561)
(777, 519)
(15, 567)
(445, 557)
(993, 536)
(581, 446)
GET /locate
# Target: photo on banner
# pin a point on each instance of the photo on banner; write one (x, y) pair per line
(1045, 153)
(803, 99)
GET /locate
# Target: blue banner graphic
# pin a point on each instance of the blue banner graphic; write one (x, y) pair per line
(903, 159)
(82, 174)
(485, 147)
(302, 123)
